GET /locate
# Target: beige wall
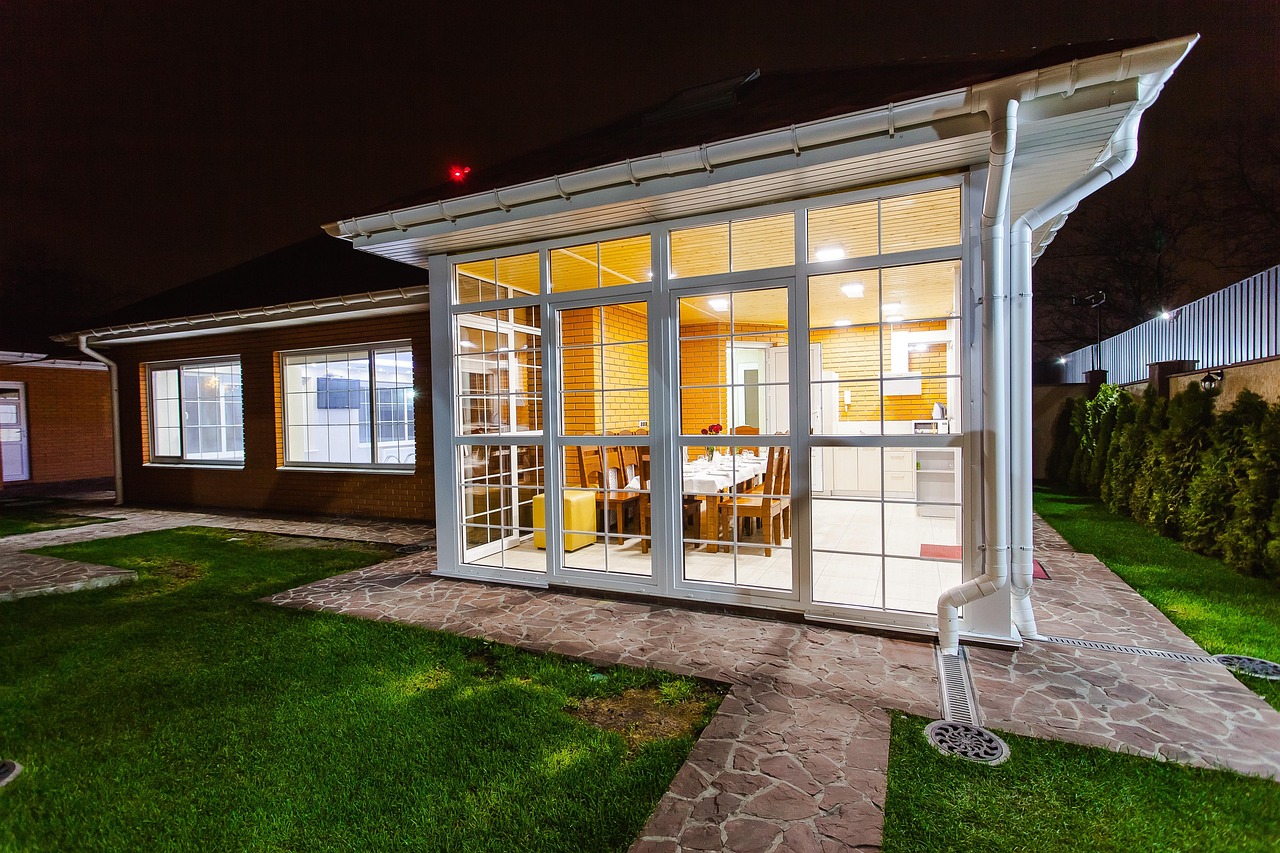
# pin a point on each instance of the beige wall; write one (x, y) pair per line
(1260, 377)
(1046, 402)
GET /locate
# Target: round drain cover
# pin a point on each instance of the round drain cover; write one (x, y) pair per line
(1245, 665)
(8, 770)
(966, 741)
(411, 549)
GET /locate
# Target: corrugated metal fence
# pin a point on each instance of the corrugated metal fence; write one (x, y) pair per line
(1238, 323)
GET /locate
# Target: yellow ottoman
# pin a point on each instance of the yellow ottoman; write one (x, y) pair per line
(579, 514)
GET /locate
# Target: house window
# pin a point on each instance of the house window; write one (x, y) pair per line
(352, 406)
(197, 413)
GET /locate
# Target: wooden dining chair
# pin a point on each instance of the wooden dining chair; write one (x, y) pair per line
(747, 430)
(765, 505)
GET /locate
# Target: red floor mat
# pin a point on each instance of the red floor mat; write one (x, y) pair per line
(953, 552)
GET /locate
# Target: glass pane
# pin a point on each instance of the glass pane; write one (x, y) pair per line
(914, 585)
(625, 410)
(517, 275)
(921, 291)
(575, 268)
(762, 243)
(852, 579)
(843, 232)
(625, 261)
(700, 251)
(625, 322)
(626, 365)
(475, 281)
(844, 299)
(922, 221)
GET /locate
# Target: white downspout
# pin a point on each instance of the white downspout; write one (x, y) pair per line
(115, 411)
(995, 397)
(1124, 151)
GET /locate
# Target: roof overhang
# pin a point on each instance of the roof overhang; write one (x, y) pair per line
(1070, 115)
(399, 301)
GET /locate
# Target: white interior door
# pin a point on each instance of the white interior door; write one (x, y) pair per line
(13, 432)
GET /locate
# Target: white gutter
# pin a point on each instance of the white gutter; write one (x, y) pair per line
(1123, 153)
(1062, 79)
(115, 411)
(8, 357)
(332, 304)
(995, 399)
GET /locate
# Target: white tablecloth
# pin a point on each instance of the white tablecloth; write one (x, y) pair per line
(722, 474)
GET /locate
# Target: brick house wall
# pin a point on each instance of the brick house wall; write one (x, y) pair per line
(264, 483)
(68, 422)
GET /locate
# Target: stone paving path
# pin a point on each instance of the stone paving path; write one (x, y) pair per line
(795, 760)
(1194, 713)
(23, 574)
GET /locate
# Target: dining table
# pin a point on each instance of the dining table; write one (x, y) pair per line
(712, 480)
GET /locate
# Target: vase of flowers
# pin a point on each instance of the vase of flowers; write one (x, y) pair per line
(712, 429)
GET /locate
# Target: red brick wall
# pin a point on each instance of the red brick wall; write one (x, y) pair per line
(68, 422)
(262, 484)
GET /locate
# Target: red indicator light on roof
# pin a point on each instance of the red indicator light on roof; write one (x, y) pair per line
(458, 173)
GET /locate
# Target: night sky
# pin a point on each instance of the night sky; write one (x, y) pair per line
(147, 144)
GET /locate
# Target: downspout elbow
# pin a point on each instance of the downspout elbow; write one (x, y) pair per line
(114, 373)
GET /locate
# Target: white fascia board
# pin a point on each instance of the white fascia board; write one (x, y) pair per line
(356, 306)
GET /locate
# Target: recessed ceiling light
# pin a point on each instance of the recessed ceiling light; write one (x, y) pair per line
(718, 304)
(829, 253)
(853, 289)
(894, 318)
(842, 323)
(892, 307)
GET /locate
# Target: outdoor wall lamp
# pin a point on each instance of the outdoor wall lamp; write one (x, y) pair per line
(1211, 380)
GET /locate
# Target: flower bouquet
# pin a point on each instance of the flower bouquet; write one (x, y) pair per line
(712, 429)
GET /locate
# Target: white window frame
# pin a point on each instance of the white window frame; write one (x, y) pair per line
(374, 466)
(158, 458)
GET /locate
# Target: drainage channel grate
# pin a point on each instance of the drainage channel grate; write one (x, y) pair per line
(1131, 650)
(959, 700)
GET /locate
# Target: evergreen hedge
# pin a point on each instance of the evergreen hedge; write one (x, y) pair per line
(1177, 467)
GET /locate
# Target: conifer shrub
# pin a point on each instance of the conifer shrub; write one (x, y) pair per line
(1175, 455)
(1065, 442)
(1100, 421)
(1249, 538)
(1117, 479)
(1208, 507)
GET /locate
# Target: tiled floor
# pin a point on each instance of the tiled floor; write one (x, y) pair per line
(796, 758)
(842, 528)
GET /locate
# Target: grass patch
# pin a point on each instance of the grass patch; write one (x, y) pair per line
(1052, 796)
(32, 516)
(1222, 610)
(180, 713)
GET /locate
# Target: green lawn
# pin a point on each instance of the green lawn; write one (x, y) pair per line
(1052, 796)
(18, 517)
(1222, 610)
(179, 713)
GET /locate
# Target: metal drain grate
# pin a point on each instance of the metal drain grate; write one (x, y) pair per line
(958, 698)
(967, 741)
(1245, 665)
(1130, 650)
(8, 771)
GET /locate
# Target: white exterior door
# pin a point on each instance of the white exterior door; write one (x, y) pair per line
(13, 432)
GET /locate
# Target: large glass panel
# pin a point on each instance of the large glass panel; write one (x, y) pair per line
(327, 405)
(591, 265)
(736, 510)
(849, 231)
(605, 369)
(733, 363)
(743, 244)
(921, 221)
(606, 508)
(888, 530)
(502, 510)
(198, 413)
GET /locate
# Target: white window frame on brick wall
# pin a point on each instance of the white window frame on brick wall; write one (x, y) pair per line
(170, 442)
(386, 455)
